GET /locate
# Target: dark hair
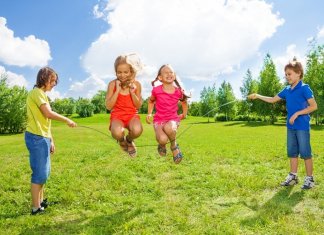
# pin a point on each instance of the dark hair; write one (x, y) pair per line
(44, 75)
(184, 96)
(296, 66)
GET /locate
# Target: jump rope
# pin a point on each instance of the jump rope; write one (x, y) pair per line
(178, 135)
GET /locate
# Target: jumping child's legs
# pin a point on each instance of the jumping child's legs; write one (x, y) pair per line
(161, 138)
(118, 133)
(135, 129)
(170, 129)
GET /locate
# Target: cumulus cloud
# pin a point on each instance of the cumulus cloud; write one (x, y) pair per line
(291, 52)
(321, 33)
(87, 88)
(14, 79)
(201, 39)
(28, 51)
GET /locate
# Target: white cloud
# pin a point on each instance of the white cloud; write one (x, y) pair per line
(29, 51)
(284, 59)
(54, 94)
(200, 39)
(87, 88)
(320, 33)
(14, 79)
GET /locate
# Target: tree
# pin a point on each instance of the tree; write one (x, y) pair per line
(314, 76)
(249, 86)
(13, 107)
(84, 107)
(66, 106)
(99, 102)
(269, 85)
(208, 105)
(194, 109)
(143, 108)
(225, 96)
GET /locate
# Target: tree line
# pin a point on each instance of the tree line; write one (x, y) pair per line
(219, 104)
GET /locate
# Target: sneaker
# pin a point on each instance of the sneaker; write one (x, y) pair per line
(38, 211)
(290, 180)
(44, 203)
(308, 183)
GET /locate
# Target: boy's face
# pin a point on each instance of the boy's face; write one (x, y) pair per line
(167, 75)
(51, 83)
(292, 77)
(123, 72)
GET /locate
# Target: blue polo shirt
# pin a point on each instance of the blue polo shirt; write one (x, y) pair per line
(296, 100)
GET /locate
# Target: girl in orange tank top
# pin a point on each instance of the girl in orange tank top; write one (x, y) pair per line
(124, 98)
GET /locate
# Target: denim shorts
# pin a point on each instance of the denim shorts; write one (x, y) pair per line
(39, 157)
(298, 143)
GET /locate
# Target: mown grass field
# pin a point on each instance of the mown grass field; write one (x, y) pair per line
(228, 183)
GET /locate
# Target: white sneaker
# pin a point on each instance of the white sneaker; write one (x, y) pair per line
(308, 183)
(290, 180)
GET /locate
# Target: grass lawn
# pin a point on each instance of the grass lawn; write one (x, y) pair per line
(227, 183)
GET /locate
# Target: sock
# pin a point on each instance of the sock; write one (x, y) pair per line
(295, 174)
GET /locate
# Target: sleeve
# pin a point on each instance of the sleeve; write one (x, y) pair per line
(39, 98)
(307, 92)
(282, 93)
(153, 93)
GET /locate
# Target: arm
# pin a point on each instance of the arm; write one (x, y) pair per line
(49, 113)
(184, 105)
(150, 106)
(52, 148)
(267, 99)
(312, 107)
(111, 96)
(135, 90)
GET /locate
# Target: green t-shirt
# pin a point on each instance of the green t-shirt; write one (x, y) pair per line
(37, 123)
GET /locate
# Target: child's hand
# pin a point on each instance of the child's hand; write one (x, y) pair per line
(52, 148)
(132, 87)
(148, 118)
(293, 118)
(71, 123)
(252, 96)
(118, 85)
(182, 116)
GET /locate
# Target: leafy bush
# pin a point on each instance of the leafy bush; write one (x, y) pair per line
(13, 108)
(84, 107)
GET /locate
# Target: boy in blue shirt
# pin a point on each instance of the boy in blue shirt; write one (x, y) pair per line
(300, 103)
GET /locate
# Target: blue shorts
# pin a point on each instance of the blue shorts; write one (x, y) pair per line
(39, 157)
(298, 143)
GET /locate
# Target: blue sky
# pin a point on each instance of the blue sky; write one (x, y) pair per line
(206, 41)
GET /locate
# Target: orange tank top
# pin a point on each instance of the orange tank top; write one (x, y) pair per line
(123, 108)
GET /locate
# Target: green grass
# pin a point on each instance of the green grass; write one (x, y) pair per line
(227, 183)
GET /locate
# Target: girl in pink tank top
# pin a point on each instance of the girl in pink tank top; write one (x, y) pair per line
(124, 98)
(166, 120)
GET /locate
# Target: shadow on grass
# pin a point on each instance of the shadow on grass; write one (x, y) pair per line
(317, 128)
(282, 203)
(107, 224)
(255, 124)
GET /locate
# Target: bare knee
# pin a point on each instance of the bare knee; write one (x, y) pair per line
(162, 139)
(117, 133)
(135, 131)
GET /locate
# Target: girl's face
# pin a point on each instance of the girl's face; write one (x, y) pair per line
(123, 72)
(292, 77)
(167, 75)
(50, 83)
